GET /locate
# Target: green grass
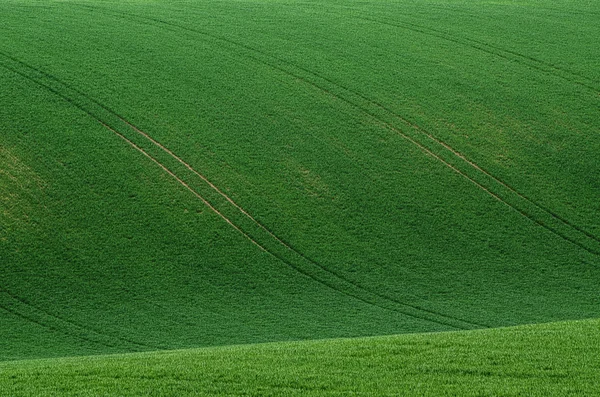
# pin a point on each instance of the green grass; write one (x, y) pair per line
(558, 359)
(186, 173)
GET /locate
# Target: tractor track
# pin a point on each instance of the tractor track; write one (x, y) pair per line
(100, 337)
(287, 245)
(277, 256)
(479, 45)
(172, 26)
(506, 54)
(372, 298)
(377, 107)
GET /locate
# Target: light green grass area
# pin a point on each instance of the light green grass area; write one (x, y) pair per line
(559, 359)
(179, 174)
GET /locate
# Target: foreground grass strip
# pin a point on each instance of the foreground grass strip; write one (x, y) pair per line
(548, 359)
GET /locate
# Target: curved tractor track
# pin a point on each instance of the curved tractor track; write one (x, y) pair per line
(409, 130)
(21, 307)
(253, 230)
(479, 45)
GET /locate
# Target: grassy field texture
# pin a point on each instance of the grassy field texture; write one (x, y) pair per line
(188, 173)
(559, 359)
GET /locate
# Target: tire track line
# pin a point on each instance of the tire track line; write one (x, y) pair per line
(364, 110)
(56, 92)
(360, 108)
(184, 184)
(507, 186)
(300, 270)
(70, 324)
(72, 102)
(496, 196)
(478, 45)
(534, 63)
(282, 242)
(261, 247)
(463, 158)
(371, 114)
(333, 286)
(408, 122)
(287, 245)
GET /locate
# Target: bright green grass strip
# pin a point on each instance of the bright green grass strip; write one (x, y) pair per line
(550, 359)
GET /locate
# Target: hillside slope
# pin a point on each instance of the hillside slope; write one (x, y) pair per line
(179, 174)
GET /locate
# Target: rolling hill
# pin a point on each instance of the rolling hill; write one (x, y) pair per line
(187, 173)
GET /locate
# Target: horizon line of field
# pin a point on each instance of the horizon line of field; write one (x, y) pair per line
(433, 146)
(350, 288)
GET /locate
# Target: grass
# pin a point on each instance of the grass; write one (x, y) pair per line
(558, 359)
(184, 174)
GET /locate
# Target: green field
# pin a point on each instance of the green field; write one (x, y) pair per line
(184, 174)
(558, 359)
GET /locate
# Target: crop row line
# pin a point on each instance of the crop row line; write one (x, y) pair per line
(554, 223)
(348, 287)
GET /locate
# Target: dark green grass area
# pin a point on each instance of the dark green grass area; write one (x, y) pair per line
(559, 359)
(189, 173)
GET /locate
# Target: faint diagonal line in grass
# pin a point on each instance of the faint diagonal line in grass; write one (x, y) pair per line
(376, 117)
(478, 45)
(371, 114)
(60, 330)
(411, 124)
(408, 310)
(366, 111)
(363, 109)
(275, 255)
(69, 324)
(285, 71)
(507, 186)
(484, 47)
(420, 129)
(509, 55)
